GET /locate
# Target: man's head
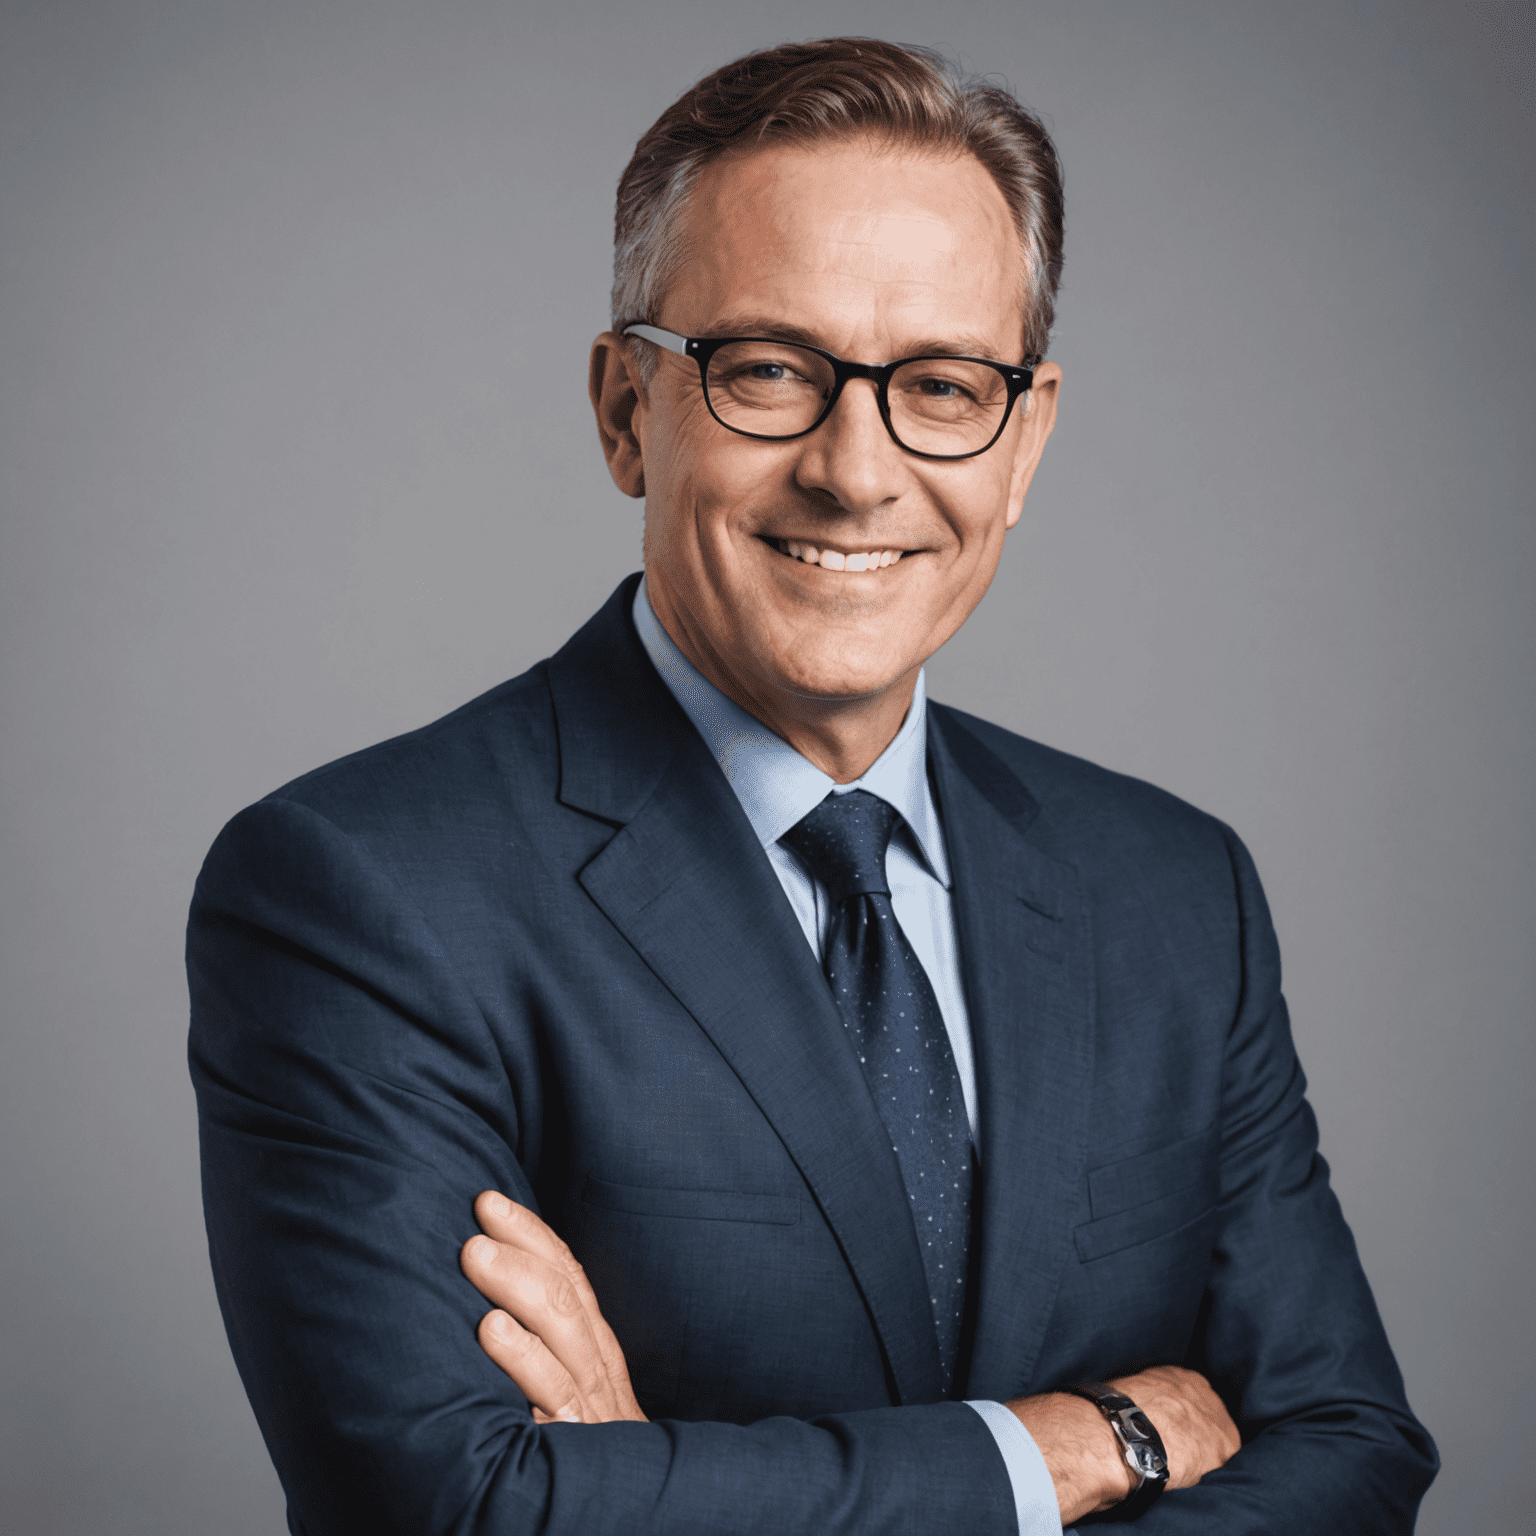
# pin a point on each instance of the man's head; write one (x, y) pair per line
(851, 195)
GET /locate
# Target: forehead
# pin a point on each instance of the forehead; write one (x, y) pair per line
(865, 246)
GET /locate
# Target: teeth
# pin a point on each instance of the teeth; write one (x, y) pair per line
(836, 560)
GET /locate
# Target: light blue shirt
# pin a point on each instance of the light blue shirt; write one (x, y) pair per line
(777, 787)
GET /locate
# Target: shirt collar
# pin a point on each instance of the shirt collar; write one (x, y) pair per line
(775, 784)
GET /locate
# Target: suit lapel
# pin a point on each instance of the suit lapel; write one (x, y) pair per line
(1025, 954)
(686, 882)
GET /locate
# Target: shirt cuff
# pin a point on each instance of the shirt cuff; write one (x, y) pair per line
(1034, 1494)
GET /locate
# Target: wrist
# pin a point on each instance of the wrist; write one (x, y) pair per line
(1136, 1438)
(1080, 1452)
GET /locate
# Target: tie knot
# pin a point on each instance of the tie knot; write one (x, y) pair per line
(843, 841)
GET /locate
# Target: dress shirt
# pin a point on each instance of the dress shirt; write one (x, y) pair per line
(777, 787)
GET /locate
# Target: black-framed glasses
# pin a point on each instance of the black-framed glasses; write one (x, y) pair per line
(939, 407)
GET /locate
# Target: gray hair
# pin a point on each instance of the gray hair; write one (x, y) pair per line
(837, 88)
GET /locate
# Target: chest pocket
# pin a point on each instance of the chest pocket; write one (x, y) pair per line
(1136, 1199)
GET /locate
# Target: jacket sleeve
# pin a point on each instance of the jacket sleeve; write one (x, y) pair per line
(352, 1104)
(1288, 1333)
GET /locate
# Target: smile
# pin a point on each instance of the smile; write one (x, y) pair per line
(837, 559)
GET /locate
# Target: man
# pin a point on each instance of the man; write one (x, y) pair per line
(885, 1073)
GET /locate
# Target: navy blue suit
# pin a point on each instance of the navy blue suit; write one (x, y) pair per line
(536, 947)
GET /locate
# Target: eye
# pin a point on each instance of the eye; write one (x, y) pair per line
(763, 370)
(947, 388)
(941, 390)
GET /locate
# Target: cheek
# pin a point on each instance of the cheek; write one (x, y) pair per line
(684, 446)
(973, 499)
(714, 480)
(703, 476)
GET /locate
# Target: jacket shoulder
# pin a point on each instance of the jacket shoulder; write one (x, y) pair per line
(447, 768)
(1088, 813)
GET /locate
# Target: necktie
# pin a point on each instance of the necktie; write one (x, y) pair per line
(889, 1010)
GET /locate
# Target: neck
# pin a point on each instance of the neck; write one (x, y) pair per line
(841, 736)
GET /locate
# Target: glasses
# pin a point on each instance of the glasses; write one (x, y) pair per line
(938, 407)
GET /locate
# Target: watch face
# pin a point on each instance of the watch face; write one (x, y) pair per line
(1148, 1461)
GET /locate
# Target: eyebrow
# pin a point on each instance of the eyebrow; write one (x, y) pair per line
(780, 330)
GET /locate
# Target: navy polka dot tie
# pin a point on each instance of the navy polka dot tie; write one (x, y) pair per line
(890, 1011)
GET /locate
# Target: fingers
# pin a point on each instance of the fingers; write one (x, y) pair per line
(517, 1227)
(538, 1374)
(509, 1222)
(548, 1309)
(525, 1270)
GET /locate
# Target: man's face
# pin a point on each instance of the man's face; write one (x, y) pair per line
(872, 256)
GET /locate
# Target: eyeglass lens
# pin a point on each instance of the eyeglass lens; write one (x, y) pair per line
(939, 405)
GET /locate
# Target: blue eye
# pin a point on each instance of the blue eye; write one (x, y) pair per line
(769, 372)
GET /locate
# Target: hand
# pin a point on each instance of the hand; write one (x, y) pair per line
(546, 1331)
(1084, 1457)
(1197, 1431)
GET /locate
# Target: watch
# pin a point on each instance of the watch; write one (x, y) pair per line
(1140, 1444)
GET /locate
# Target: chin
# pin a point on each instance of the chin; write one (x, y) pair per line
(839, 673)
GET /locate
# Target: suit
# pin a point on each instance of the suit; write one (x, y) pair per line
(535, 947)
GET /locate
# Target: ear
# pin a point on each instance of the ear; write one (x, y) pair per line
(1038, 421)
(616, 392)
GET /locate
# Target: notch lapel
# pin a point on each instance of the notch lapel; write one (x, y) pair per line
(1026, 958)
(686, 882)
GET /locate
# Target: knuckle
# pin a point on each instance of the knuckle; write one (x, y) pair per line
(589, 1376)
(563, 1297)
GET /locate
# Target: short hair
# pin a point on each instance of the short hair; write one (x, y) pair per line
(834, 88)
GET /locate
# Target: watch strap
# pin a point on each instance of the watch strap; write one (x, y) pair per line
(1141, 1446)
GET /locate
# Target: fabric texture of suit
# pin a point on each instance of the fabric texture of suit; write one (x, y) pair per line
(535, 947)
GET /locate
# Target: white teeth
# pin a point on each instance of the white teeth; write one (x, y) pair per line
(836, 560)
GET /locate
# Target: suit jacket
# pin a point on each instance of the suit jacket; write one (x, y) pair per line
(536, 947)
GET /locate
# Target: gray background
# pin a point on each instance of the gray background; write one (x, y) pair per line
(296, 455)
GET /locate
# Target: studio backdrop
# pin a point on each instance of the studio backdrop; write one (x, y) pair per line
(295, 454)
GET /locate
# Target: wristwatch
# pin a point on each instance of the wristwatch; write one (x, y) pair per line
(1140, 1444)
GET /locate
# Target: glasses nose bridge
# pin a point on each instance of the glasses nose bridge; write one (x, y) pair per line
(878, 374)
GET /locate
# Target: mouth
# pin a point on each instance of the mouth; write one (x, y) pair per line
(830, 559)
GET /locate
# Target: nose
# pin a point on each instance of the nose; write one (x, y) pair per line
(851, 457)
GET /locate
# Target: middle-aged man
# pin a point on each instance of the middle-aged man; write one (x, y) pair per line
(913, 1098)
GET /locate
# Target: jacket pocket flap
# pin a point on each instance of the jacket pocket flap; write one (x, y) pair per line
(697, 1204)
(1157, 1218)
(1150, 1176)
